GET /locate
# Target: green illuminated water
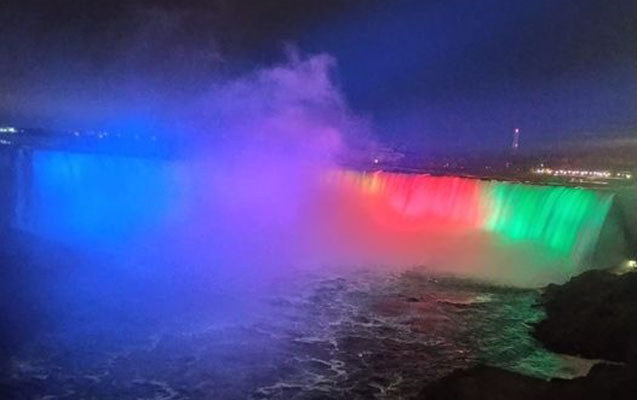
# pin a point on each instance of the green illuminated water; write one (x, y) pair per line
(566, 220)
(563, 223)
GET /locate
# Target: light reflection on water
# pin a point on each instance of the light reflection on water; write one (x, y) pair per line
(356, 334)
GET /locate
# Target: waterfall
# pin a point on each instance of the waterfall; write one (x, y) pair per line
(92, 197)
(564, 220)
(514, 233)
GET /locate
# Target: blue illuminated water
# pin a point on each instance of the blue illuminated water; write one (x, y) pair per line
(320, 334)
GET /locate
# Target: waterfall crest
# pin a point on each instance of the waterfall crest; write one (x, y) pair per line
(513, 233)
(565, 220)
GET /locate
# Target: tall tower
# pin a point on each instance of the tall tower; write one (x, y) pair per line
(516, 140)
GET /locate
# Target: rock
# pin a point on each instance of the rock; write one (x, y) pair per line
(484, 382)
(592, 315)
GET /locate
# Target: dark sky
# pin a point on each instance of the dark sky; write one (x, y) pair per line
(441, 75)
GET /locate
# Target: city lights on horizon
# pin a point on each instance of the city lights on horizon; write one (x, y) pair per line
(8, 129)
(581, 173)
(98, 134)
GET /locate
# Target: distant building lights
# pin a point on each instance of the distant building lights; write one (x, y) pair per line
(7, 129)
(580, 173)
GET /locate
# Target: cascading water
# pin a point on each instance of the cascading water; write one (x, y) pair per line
(565, 220)
(96, 198)
(561, 223)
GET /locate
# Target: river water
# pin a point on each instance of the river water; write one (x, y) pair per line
(319, 334)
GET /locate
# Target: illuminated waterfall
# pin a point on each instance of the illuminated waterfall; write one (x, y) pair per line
(565, 220)
(385, 218)
(94, 197)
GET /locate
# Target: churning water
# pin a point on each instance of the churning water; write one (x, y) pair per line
(358, 334)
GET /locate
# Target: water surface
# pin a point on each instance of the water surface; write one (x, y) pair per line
(335, 334)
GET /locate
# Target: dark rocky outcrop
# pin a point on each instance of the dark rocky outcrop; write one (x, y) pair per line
(604, 381)
(594, 315)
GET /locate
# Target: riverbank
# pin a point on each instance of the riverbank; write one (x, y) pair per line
(591, 316)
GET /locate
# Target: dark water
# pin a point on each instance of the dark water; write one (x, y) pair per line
(359, 334)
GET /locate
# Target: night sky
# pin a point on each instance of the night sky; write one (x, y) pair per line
(438, 75)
